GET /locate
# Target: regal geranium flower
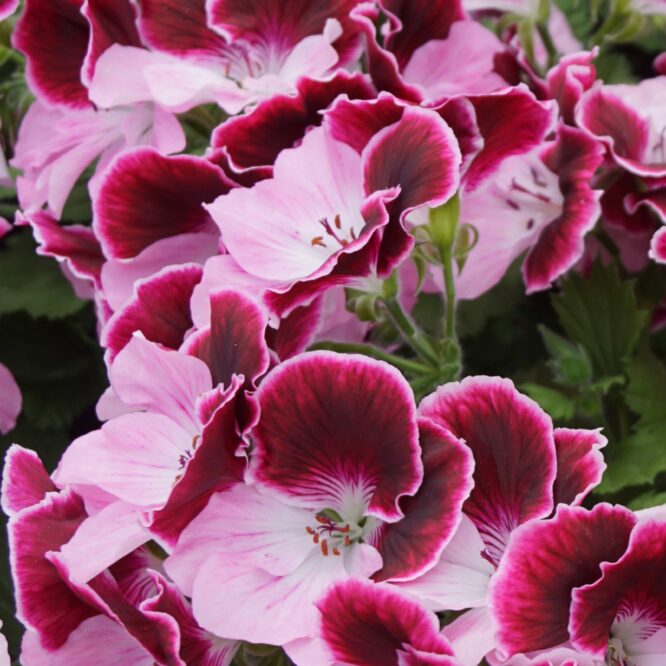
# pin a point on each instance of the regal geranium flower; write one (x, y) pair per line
(607, 602)
(541, 202)
(422, 40)
(335, 449)
(523, 468)
(228, 52)
(10, 405)
(303, 235)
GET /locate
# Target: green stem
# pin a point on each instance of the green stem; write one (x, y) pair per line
(547, 40)
(413, 367)
(409, 333)
(450, 295)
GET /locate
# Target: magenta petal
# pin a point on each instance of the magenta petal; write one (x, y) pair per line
(511, 122)
(580, 464)
(575, 157)
(253, 141)
(160, 309)
(54, 35)
(658, 246)
(7, 8)
(414, 544)
(296, 331)
(633, 588)
(419, 154)
(213, 467)
(11, 401)
(333, 424)
(235, 343)
(367, 624)
(44, 602)
(74, 243)
(179, 27)
(111, 22)
(25, 482)
(169, 192)
(569, 79)
(511, 438)
(531, 591)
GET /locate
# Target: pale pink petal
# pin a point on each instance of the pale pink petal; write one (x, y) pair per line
(10, 400)
(472, 636)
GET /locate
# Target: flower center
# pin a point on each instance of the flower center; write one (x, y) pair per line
(333, 232)
(332, 533)
(615, 654)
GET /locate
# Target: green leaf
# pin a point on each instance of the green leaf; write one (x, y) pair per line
(647, 500)
(32, 283)
(559, 406)
(570, 363)
(642, 455)
(601, 314)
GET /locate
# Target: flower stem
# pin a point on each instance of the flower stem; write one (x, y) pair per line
(413, 337)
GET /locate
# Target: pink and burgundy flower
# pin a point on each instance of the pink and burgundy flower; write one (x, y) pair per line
(335, 455)
(10, 405)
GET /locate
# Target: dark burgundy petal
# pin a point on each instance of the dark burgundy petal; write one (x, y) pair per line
(75, 244)
(146, 197)
(25, 482)
(234, 344)
(53, 35)
(511, 122)
(296, 331)
(279, 25)
(368, 624)
(111, 22)
(531, 591)
(254, 140)
(460, 116)
(420, 21)
(635, 586)
(580, 464)
(213, 467)
(626, 134)
(511, 439)
(575, 157)
(419, 154)
(355, 122)
(44, 602)
(414, 544)
(658, 246)
(653, 198)
(159, 308)
(331, 424)
(179, 27)
(569, 79)
(615, 205)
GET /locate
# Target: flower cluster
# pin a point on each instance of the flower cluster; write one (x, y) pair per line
(263, 477)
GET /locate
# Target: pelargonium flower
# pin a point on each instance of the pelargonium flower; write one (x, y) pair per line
(523, 469)
(227, 52)
(303, 235)
(335, 467)
(10, 405)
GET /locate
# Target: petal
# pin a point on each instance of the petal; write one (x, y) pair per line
(472, 636)
(630, 591)
(511, 438)
(658, 246)
(7, 8)
(25, 482)
(580, 464)
(10, 405)
(460, 578)
(511, 122)
(254, 140)
(134, 457)
(179, 27)
(297, 330)
(53, 35)
(366, 623)
(83, 647)
(101, 540)
(44, 602)
(169, 191)
(214, 466)
(419, 154)
(235, 342)
(334, 424)
(569, 79)
(414, 544)
(159, 309)
(160, 380)
(531, 591)
(575, 158)
(256, 606)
